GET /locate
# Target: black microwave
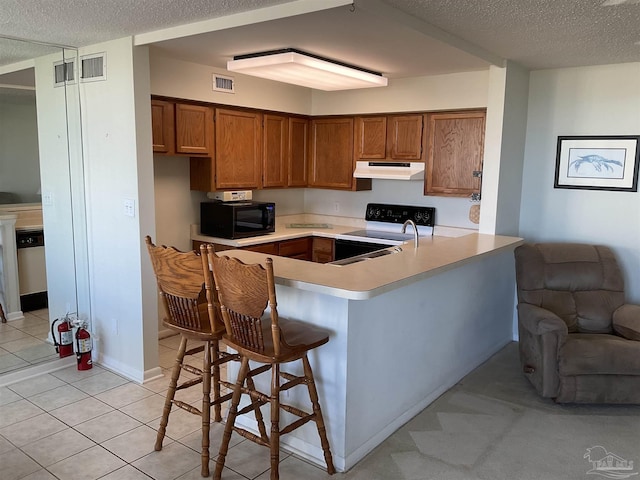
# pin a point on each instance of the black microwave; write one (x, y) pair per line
(237, 219)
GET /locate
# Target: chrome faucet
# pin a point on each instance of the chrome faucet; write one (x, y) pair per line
(415, 231)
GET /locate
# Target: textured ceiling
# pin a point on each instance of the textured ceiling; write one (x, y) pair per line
(357, 37)
(540, 33)
(535, 33)
(85, 22)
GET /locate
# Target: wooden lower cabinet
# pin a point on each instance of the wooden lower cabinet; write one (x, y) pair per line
(317, 249)
(270, 248)
(322, 250)
(299, 248)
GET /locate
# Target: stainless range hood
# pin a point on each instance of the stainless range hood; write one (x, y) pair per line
(389, 170)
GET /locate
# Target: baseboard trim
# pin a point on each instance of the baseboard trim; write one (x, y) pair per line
(35, 370)
(121, 369)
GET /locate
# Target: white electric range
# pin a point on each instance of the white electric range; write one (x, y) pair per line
(383, 229)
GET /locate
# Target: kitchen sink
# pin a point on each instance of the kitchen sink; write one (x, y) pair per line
(367, 256)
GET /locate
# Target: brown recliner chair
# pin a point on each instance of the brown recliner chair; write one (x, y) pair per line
(579, 341)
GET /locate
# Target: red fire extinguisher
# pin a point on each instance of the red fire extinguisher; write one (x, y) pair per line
(64, 342)
(83, 348)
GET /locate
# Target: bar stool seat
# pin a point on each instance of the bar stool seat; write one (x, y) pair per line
(182, 280)
(244, 290)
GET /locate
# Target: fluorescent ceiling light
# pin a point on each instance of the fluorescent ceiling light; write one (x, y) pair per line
(299, 68)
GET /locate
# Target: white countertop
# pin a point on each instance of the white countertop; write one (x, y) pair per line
(362, 280)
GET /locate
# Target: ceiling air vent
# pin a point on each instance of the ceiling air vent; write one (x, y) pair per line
(64, 72)
(93, 67)
(223, 84)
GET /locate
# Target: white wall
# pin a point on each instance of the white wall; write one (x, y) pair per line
(177, 78)
(600, 100)
(19, 162)
(504, 149)
(117, 147)
(437, 92)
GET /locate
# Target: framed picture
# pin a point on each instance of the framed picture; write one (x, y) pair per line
(598, 163)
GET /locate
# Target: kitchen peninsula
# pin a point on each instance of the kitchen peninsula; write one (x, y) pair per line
(404, 328)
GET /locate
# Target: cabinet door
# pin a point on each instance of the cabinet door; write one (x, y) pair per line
(455, 150)
(163, 126)
(297, 152)
(275, 136)
(404, 137)
(323, 250)
(194, 129)
(299, 248)
(238, 149)
(331, 158)
(370, 137)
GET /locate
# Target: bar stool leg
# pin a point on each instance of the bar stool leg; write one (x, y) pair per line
(171, 393)
(231, 418)
(257, 412)
(275, 421)
(322, 431)
(206, 408)
(215, 355)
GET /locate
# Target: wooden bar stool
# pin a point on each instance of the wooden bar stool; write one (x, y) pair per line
(182, 280)
(244, 291)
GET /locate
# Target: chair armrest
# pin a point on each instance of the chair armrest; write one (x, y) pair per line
(538, 321)
(626, 321)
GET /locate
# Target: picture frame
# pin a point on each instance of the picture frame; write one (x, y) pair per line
(598, 162)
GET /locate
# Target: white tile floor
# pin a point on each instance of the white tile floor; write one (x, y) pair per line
(492, 425)
(94, 424)
(23, 342)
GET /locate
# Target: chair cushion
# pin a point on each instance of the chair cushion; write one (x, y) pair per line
(597, 354)
(582, 284)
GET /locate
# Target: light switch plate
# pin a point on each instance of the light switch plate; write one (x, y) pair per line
(47, 198)
(129, 207)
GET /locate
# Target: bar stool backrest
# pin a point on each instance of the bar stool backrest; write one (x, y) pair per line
(244, 291)
(181, 282)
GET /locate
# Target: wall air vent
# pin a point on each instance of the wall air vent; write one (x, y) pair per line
(93, 68)
(223, 84)
(64, 72)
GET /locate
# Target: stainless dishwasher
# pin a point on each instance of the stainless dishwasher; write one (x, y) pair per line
(32, 271)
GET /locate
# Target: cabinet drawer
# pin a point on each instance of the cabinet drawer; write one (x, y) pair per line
(291, 248)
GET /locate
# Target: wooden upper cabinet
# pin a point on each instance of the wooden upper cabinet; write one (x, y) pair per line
(455, 150)
(389, 137)
(194, 129)
(404, 137)
(163, 127)
(238, 159)
(297, 152)
(275, 134)
(370, 137)
(331, 156)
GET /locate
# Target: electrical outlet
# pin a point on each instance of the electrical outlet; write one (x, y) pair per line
(129, 207)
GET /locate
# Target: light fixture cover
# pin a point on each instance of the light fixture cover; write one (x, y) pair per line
(300, 68)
